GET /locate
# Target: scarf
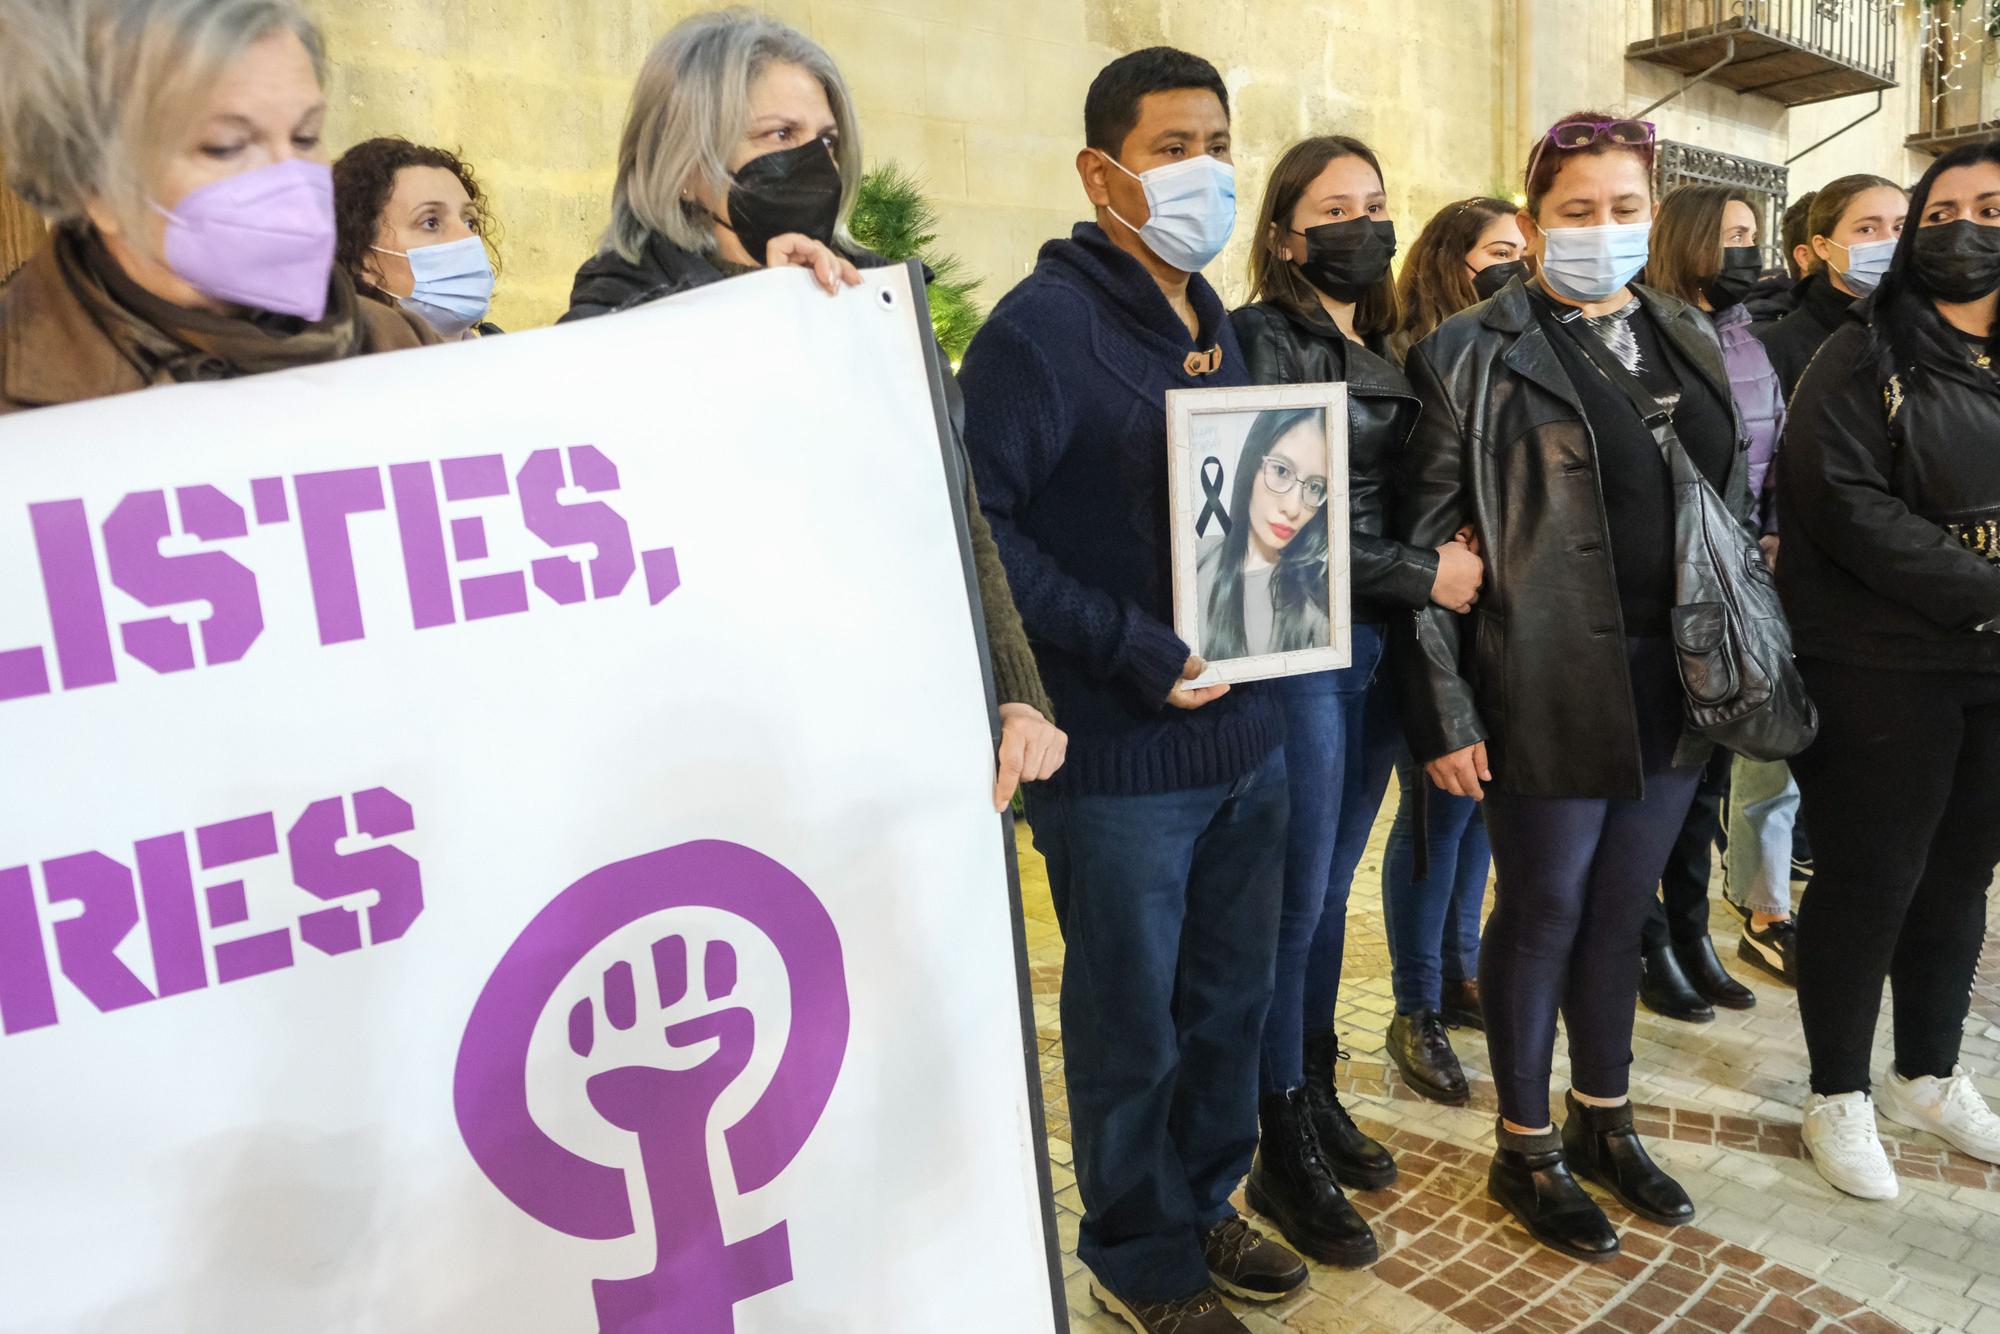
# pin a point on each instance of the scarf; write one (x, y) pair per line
(171, 344)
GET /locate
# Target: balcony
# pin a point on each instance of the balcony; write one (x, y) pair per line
(1961, 79)
(1791, 51)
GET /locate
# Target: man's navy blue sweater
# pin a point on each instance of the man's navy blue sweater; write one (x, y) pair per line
(1065, 420)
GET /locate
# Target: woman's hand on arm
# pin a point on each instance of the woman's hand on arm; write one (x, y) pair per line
(1031, 749)
(1460, 573)
(830, 269)
(1462, 772)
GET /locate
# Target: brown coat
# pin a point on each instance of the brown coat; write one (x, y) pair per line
(64, 336)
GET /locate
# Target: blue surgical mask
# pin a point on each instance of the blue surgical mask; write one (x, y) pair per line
(1593, 263)
(454, 284)
(1193, 209)
(1866, 263)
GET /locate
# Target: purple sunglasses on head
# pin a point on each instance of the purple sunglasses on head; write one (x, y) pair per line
(1570, 135)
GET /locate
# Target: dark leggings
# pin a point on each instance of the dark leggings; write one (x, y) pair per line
(1576, 880)
(1902, 791)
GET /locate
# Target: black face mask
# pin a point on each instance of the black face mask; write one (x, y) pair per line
(1489, 280)
(1959, 261)
(795, 190)
(1346, 259)
(1740, 266)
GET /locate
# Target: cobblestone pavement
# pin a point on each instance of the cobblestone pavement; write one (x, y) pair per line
(1772, 1248)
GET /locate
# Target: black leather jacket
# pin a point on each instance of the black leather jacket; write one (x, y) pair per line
(1281, 346)
(1503, 445)
(1889, 493)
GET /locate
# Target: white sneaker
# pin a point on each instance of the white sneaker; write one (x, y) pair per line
(1951, 1109)
(1841, 1139)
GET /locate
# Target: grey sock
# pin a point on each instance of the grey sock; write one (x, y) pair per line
(1546, 1142)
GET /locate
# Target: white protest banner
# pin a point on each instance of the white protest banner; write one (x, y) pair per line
(499, 838)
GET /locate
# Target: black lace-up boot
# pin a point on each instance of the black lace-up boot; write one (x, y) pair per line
(1292, 1184)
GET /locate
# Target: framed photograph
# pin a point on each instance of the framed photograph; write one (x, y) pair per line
(1258, 480)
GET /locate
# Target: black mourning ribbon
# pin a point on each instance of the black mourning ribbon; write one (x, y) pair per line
(1211, 487)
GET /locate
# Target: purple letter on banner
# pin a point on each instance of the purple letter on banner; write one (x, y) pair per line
(424, 562)
(76, 602)
(325, 873)
(26, 998)
(86, 944)
(325, 501)
(167, 888)
(560, 525)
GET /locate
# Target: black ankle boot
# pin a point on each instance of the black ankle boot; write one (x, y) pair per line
(1697, 960)
(1358, 1162)
(1665, 990)
(1422, 1050)
(1600, 1145)
(1292, 1184)
(1530, 1180)
(1461, 1005)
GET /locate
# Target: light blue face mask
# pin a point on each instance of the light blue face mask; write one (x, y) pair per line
(1594, 263)
(454, 284)
(1866, 263)
(1193, 209)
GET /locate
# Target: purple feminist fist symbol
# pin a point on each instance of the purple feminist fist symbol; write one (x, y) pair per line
(647, 1080)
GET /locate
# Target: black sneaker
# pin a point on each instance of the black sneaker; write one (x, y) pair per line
(1245, 1263)
(1774, 949)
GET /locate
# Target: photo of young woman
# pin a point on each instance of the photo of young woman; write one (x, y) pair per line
(1262, 576)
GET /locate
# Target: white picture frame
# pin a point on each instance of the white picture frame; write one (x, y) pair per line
(1209, 434)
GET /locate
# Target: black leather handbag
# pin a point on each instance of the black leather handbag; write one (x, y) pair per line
(1731, 639)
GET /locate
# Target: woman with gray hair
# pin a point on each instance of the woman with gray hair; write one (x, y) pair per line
(175, 147)
(741, 152)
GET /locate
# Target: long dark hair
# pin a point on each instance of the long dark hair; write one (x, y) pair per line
(1906, 318)
(1435, 284)
(1298, 585)
(1275, 278)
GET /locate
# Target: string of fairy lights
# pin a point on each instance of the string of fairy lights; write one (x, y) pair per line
(1957, 34)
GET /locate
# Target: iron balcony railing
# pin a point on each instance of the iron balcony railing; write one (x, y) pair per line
(1767, 183)
(1794, 51)
(1961, 78)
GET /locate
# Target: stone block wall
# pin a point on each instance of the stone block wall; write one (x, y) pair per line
(983, 99)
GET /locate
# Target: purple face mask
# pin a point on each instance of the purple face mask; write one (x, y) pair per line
(261, 238)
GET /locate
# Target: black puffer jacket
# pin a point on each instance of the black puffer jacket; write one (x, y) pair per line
(1817, 310)
(1503, 444)
(1282, 346)
(1889, 498)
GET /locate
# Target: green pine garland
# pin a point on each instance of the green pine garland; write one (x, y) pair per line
(892, 218)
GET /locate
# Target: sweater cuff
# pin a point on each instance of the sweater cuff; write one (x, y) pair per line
(1155, 657)
(1017, 679)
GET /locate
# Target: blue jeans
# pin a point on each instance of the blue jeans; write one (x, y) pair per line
(1169, 912)
(1341, 740)
(1433, 923)
(1762, 813)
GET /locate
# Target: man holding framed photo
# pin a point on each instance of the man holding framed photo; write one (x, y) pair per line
(1165, 832)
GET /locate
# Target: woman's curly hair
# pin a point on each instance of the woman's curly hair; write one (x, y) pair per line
(363, 180)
